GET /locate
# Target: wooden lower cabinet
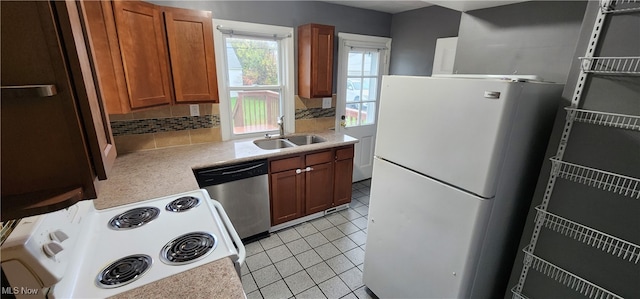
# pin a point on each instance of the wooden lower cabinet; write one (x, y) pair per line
(319, 191)
(310, 183)
(343, 175)
(287, 187)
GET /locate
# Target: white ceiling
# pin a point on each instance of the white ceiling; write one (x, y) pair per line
(400, 6)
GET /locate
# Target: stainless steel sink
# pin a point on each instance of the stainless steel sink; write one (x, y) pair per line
(305, 139)
(270, 144)
(291, 141)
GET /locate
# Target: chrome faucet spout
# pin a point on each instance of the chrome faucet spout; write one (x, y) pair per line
(281, 124)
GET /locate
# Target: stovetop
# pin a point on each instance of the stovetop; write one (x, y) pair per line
(96, 245)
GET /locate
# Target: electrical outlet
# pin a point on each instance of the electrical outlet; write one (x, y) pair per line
(326, 103)
(195, 110)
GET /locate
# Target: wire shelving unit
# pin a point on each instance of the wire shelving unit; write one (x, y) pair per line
(614, 120)
(611, 65)
(613, 183)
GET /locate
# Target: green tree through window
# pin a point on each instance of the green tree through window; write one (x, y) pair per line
(258, 59)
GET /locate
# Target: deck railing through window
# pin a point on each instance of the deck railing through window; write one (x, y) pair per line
(255, 110)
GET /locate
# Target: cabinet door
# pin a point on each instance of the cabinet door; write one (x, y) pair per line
(343, 175)
(315, 60)
(99, 136)
(342, 179)
(144, 53)
(322, 61)
(193, 66)
(105, 52)
(319, 187)
(45, 162)
(287, 196)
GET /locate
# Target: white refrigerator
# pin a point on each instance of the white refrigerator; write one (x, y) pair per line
(456, 162)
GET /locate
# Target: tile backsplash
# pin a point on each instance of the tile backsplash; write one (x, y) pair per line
(172, 125)
(165, 126)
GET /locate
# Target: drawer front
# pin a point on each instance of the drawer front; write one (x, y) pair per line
(344, 153)
(286, 164)
(317, 158)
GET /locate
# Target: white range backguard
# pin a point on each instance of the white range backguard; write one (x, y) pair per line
(411, 218)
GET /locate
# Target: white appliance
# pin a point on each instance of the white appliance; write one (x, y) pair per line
(456, 162)
(72, 253)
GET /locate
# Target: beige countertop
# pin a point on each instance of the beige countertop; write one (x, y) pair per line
(151, 174)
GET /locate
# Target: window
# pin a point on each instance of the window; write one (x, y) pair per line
(257, 85)
(362, 85)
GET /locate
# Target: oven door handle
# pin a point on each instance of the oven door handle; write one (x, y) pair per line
(234, 235)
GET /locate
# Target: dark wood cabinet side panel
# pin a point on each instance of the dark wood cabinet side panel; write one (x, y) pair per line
(304, 61)
(190, 39)
(143, 48)
(319, 188)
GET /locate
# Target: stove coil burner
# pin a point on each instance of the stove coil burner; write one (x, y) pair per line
(183, 203)
(134, 218)
(188, 248)
(124, 271)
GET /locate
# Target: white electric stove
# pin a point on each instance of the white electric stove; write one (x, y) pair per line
(80, 252)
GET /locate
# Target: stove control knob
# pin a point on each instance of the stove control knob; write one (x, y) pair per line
(58, 236)
(52, 248)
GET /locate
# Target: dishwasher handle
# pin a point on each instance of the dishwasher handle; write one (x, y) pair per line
(223, 174)
(242, 170)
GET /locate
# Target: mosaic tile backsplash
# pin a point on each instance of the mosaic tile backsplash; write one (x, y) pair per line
(315, 113)
(157, 125)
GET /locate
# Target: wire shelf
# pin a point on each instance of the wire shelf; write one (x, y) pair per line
(619, 6)
(566, 278)
(620, 121)
(605, 242)
(611, 65)
(608, 181)
(517, 295)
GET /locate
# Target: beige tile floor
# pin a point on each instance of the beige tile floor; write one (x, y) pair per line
(322, 258)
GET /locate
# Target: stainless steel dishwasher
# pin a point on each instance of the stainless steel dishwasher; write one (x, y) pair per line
(243, 191)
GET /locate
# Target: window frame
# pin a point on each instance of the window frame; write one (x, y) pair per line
(361, 42)
(287, 75)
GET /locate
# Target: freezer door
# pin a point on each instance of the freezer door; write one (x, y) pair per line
(423, 238)
(453, 130)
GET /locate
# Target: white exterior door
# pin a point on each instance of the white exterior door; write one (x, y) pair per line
(362, 60)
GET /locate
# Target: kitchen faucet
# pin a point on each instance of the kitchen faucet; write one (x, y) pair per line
(281, 124)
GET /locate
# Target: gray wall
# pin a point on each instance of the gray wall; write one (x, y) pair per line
(295, 13)
(537, 37)
(414, 35)
(609, 149)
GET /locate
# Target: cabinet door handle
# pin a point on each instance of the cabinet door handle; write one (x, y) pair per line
(29, 91)
(299, 171)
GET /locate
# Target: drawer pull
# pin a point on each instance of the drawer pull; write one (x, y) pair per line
(299, 171)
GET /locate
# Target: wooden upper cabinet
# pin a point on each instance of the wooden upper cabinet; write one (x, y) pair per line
(148, 55)
(144, 53)
(190, 38)
(54, 145)
(315, 60)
